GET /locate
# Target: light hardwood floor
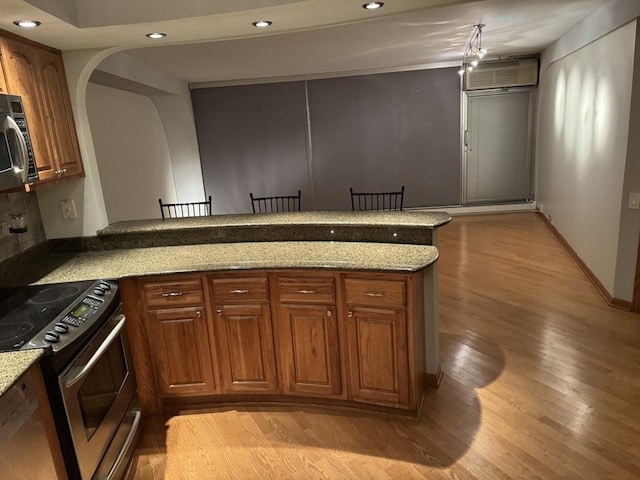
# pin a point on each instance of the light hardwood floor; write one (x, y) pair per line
(542, 380)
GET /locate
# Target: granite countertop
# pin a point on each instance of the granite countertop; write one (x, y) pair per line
(14, 364)
(243, 256)
(289, 219)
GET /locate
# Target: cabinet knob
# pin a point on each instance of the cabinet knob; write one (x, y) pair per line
(198, 313)
(350, 314)
(219, 311)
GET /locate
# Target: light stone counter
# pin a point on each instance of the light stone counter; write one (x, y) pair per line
(243, 256)
(405, 227)
(286, 219)
(14, 364)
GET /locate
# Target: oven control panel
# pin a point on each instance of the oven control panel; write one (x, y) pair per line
(79, 318)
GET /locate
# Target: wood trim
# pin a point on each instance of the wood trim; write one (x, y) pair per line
(433, 379)
(606, 296)
(180, 406)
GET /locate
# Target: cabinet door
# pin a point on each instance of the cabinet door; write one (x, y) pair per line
(247, 354)
(309, 350)
(21, 71)
(63, 140)
(179, 341)
(378, 356)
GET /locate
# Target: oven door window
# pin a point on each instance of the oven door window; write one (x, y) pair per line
(101, 387)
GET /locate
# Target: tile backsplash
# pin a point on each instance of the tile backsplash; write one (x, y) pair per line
(26, 204)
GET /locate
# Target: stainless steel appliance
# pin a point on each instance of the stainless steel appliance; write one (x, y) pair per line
(17, 162)
(87, 369)
(22, 433)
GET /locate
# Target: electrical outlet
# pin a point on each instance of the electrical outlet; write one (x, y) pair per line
(634, 201)
(68, 209)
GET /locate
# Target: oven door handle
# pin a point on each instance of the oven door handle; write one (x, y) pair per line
(84, 370)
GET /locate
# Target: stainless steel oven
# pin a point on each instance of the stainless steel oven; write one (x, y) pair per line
(98, 389)
(87, 369)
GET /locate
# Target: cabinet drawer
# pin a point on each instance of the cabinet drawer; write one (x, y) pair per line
(163, 294)
(239, 290)
(375, 293)
(306, 290)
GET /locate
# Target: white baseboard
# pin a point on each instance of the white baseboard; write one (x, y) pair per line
(454, 210)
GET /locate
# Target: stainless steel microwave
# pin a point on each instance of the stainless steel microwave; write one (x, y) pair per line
(17, 162)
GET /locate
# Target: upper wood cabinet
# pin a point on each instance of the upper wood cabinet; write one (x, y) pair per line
(36, 73)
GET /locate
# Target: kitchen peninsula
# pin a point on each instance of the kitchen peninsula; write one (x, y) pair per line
(322, 307)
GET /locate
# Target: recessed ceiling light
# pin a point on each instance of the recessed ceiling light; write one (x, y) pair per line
(27, 23)
(261, 23)
(156, 35)
(373, 5)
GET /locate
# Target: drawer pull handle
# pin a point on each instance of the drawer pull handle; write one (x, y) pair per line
(374, 294)
(173, 294)
(238, 291)
(306, 292)
(350, 314)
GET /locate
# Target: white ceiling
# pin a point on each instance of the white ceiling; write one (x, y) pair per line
(214, 41)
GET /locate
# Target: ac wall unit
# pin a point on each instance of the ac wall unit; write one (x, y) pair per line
(505, 73)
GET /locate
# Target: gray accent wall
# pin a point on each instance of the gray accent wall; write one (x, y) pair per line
(370, 132)
(379, 132)
(252, 138)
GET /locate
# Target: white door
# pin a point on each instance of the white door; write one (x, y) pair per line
(498, 147)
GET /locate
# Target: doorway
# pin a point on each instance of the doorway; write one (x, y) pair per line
(497, 147)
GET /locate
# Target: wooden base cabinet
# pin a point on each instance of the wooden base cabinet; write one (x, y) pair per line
(378, 356)
(180, 342)
(178, 334)
(309, 350)
(319, 337)
(308, 334)
(381, 318)
(245, 334)
(246, 349)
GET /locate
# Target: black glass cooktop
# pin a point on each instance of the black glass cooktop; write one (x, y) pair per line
(25, 311)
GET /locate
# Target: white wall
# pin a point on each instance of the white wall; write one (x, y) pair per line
(132, 153)
(630, 219)
(583, 127)
(172, 99)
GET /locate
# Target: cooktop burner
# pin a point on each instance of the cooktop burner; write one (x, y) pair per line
(27, 310)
